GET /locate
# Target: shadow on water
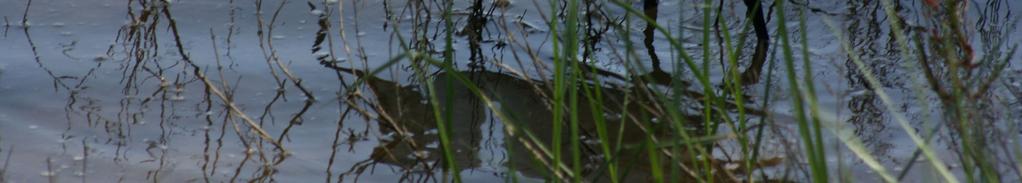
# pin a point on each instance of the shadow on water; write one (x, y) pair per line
(411, 134)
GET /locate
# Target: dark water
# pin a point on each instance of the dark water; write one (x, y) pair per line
(106, 91)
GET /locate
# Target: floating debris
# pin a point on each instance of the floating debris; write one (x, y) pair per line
(316, 12)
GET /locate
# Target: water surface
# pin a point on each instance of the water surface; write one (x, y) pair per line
(107, 91)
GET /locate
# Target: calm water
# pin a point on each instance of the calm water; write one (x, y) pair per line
(98, 91)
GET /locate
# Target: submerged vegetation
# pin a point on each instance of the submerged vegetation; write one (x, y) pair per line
(556, 91)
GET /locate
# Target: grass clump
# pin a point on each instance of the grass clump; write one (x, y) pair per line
(652, 124)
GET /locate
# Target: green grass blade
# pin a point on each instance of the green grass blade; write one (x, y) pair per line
(818, 166)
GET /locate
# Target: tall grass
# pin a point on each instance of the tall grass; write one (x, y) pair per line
(682, 132)
(565, 104)
(811, 136)
(684, 154)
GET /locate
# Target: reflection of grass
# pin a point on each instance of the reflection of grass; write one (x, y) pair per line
(963, 103)
(677, 147)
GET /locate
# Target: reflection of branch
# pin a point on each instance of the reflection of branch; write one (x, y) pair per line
(35, 53)
(276, 59)
(336, 142)
(295, 119)
(752, 73)
(650, 7)
(213, 89)
(24, 17)
(230, 27)
(357, 169)
(7, 25)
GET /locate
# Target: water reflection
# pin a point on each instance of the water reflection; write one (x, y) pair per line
(162, 94)
(411, 133)
(877, 47)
